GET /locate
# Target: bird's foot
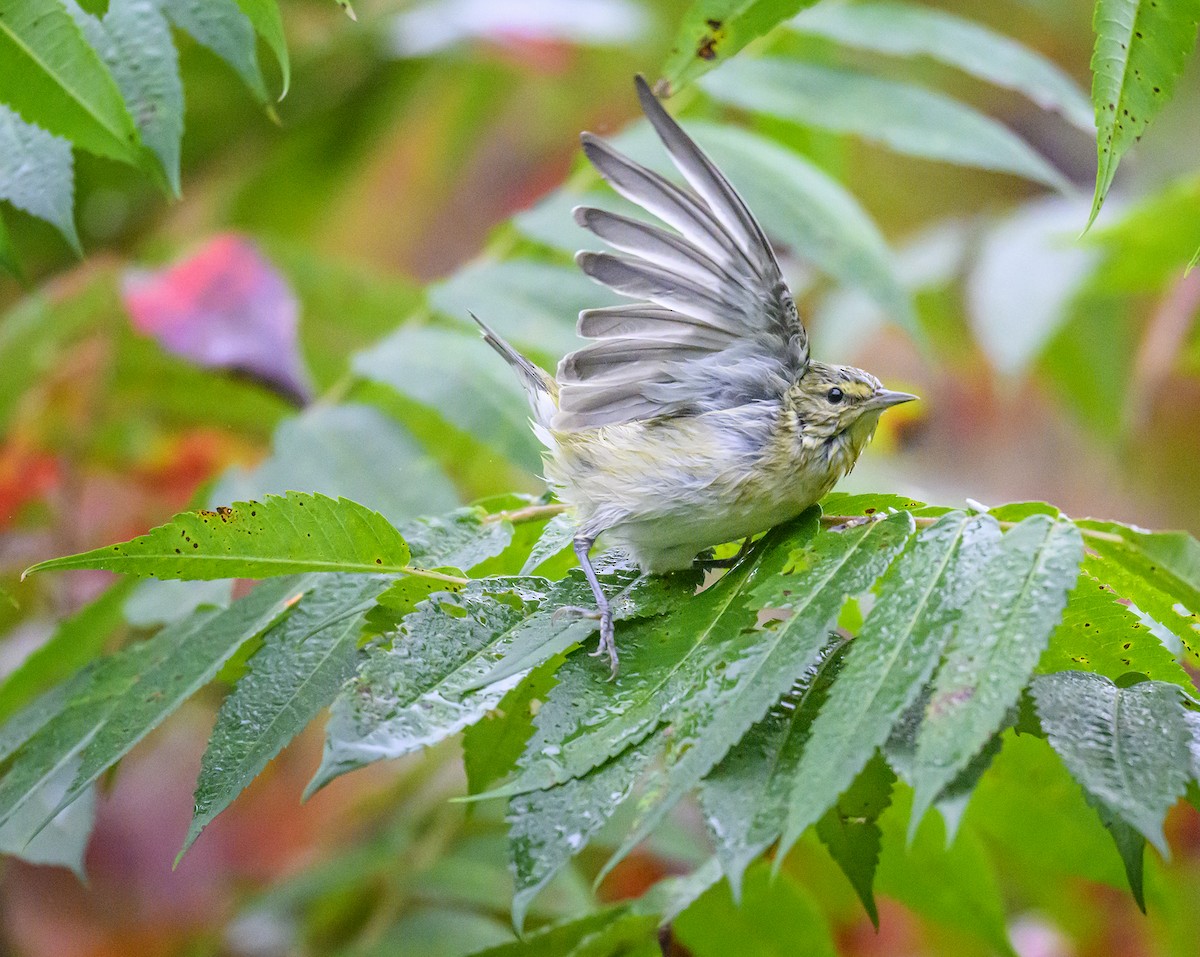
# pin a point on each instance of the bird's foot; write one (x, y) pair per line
(608, 643)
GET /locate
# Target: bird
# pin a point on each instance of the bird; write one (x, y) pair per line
(695, 415)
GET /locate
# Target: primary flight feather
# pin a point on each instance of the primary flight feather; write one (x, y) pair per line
(696, 415)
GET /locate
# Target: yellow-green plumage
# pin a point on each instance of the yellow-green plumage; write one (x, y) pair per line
(696, 415)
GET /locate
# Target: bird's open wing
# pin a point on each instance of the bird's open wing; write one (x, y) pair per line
(715, 325)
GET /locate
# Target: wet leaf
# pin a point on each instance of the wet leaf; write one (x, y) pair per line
(996, 643)
(418, 690)
(1101, 633)
(281, 535)
(122, 698)
(891, 659)
(745, 797)
(1127, 747)
(735, 682)
(549, 827)
(302, 664)
(1141, 47)
(222, 27)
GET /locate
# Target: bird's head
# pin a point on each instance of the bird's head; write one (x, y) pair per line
(841, 404)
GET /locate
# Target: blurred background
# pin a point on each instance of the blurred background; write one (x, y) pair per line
(297, 320)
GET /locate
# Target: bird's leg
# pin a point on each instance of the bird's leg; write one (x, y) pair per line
(602, 611)
(707, 563)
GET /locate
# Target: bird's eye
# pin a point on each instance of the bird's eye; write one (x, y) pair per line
(835, 396)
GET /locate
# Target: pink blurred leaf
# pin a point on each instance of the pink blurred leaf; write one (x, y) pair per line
(223, 307)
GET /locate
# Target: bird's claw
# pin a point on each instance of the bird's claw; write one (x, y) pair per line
(574, 611)
(608, 644)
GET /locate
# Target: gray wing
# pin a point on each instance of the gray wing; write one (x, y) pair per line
(715, 326)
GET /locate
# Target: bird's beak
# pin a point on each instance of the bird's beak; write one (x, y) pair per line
(886, 398)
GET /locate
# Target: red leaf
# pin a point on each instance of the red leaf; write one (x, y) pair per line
(224, 307)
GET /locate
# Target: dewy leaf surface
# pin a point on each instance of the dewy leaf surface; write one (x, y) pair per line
(1018, 599)
(903, 29)
(1141, 47)
(280, 535)
(303, 662)
(890, 660)
(736, 681)
(54, 79)
(712, 31)
(415, 692)
(547, 828)
(124, 697)
(905, 118)
(1127, 747)
(745, 797)
(588, 720)
(850, 830)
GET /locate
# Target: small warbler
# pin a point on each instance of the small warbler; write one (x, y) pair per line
(696, 416)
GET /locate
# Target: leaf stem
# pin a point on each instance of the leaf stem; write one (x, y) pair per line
(434, 576)
(531, 513)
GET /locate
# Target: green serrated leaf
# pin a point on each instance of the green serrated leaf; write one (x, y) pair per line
(1158, 571)
(134, 41)
(548, 827)
(745, 797)
(281, 535)
(1019, 511)
(1018, 600)
(712, 31)
(492, 745)
(53, 79)
(662, 660)
(1131, 847)
(1102, 634)
(222, 27)
(415, 692)
(554, 548)
(123, 698)
(902, 29)
(736, 681)
(891, 659)
(774, 918)
(37, 174)
(850, 830)
(61, 842)
(303, 662)
(267, 21)
(1141, 47)
(1127, 747)
(75, 642)
(904, 118)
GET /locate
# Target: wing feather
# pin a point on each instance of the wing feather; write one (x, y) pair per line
(715, 326)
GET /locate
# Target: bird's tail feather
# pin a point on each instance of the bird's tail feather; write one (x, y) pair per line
(540, 387)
